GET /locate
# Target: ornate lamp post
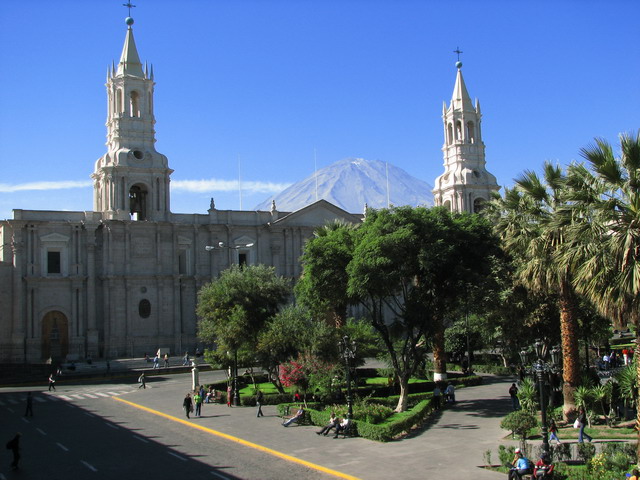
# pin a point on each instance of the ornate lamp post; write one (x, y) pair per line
(233, 373)
(348, 349)
(541, 368)
(236, 394)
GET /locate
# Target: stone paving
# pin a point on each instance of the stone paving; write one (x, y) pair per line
(450, 445)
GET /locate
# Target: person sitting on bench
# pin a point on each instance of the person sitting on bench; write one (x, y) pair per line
(334, 422)
(296, 418)
(343, 427)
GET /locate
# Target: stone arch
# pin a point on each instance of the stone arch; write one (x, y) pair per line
(458, 131)
(119, 103)
(478, 205)
(471, 132)
(449, 133)
(447, 204)
(134, 104)
(55, 335)
(138, 194)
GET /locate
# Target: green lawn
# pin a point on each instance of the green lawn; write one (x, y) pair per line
(266, 387)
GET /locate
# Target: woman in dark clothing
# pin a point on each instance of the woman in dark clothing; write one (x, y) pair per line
(582, 418)
(187, 404)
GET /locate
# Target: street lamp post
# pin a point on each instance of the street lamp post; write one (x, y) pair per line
(236, 395)
(540, 368)
(348, 349)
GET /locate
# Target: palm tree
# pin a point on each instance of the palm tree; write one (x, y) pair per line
(525, 221)
(605, 211)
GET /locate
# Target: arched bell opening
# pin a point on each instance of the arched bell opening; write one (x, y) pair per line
(138, 202)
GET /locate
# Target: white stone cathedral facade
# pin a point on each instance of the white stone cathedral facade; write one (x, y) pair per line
(122, 280)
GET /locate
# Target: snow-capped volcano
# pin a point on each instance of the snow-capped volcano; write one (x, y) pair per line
(352, 182)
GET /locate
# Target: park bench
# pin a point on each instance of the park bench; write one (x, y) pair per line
(347, 432)
(216, 397)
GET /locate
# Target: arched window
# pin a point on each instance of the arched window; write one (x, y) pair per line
(471, 134)
(458, 131)
(119, 105)
(134, 104)
(478, 205)
(447, 205)
(449, 133)
(138, 202)
(144, 308)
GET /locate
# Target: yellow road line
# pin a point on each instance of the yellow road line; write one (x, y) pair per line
(241, 441)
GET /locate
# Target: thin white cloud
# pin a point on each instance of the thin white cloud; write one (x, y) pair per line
(214, 185)
(193, 186)
(62, 185)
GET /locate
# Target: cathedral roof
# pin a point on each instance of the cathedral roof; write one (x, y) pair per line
(129, 60)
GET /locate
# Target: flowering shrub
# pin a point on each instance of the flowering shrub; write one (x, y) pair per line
(292, 374)
(308, 372)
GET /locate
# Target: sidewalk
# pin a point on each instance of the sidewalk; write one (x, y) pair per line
(451, 445)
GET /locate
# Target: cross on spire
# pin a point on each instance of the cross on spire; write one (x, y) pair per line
(458, 52)
(129, 5)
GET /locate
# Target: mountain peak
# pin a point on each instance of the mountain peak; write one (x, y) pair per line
(350, 183)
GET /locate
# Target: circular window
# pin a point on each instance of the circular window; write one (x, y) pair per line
(144, 308)
(138, 154)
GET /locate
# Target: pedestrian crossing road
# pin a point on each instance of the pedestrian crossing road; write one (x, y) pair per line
(8, 400)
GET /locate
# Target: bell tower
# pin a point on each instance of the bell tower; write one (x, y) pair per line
(465, 184)
(131, 181)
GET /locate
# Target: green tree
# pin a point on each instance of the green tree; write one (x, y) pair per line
(322, 287)
(283, 337)
(526, 220)
(234, 308)
(410, 270)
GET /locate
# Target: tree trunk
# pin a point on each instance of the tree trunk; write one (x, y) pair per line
(635, 320)
(439, 355)
(404, 394)
(570, 350)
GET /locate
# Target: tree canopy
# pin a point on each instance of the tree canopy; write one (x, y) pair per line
(234, 308)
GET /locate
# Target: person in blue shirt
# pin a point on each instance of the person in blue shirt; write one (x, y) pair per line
(521, 466)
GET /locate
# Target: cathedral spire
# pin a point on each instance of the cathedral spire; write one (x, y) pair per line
(129, 60)
(460, 100)
(465, 184)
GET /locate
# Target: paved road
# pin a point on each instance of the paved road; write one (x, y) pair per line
(451, 445)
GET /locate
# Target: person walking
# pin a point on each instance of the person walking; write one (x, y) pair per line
(437, 396)
(187, 404)
(513, 393)
(52, 382)
(141, 381)
(229, 391)
(582, 422)
(198, 401)
(259, 400)
(14, 446)
(156, 362)
(29, 410)
(166, 360)
(553, 431)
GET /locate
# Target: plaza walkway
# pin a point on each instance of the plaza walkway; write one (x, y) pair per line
(450, 445)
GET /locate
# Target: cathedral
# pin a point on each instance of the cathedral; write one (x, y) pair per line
(122, 280)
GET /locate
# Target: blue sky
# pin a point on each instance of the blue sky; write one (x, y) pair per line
(257, 86)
